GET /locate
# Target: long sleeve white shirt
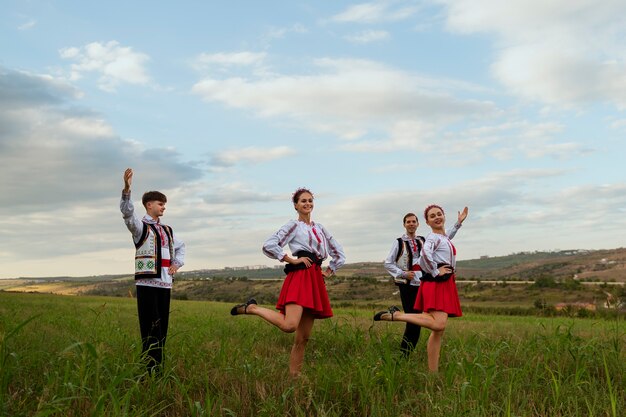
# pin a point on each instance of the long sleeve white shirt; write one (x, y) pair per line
(438, 249)
(394, 269)
(390, 261)
(135, 226)
(312, 238)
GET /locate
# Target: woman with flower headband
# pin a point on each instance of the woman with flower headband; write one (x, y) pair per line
(437, 297)
(303, 297)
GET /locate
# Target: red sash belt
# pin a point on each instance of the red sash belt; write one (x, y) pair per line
(165, 263)
(416, 268)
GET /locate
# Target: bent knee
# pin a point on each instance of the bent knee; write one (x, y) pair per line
(438, 327)
(289, 328)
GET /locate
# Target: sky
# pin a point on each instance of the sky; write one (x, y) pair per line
(515, 109)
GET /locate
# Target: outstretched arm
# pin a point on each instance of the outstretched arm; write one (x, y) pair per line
(133, 223)
(128, 179)
(452, 231)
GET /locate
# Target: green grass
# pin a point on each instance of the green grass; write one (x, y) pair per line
(77, 356)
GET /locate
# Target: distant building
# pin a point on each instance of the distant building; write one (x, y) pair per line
(577, 306)
(245, 268)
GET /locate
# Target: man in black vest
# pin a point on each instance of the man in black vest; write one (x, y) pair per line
(402, 264)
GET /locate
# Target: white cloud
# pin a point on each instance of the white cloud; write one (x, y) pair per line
(231, 62)
(237, 193)
(252, 155)
(54, 155)
(514, 138)
(374, 12)
(350, 98)
(407, 135)
(280, 32)
(507, 214)
(562, 52)
(368, 36)
(27, 25)
(114, 63)
(244, 58)
(618, 124)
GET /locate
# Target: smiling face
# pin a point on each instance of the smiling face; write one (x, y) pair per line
(304, 204)
(410, 224)
(435, 218)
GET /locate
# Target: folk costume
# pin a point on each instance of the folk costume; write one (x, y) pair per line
(305, 286)
(404, 256)
(434, 293)
(156, 248)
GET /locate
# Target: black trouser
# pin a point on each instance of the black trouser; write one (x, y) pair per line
(408, 294)
(153, 306)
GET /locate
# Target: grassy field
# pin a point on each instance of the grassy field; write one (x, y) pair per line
(77, 356)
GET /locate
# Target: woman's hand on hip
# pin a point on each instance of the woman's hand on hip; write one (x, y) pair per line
(304, 260)
(445, 269)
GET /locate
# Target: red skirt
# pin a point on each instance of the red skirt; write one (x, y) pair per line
(439, 296)
(306, 287)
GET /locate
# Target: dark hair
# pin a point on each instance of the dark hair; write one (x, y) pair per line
(432, 206)
(296, 195)
(406, 216)
(153, 196)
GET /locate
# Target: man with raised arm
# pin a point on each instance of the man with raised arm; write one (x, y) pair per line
(158, 255)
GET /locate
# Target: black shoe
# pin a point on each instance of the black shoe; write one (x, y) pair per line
(379, 316)
(237, 309)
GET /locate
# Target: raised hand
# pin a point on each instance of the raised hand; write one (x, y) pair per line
(463, 215)
(128, 179)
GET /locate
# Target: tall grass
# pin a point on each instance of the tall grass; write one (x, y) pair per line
(78, 356)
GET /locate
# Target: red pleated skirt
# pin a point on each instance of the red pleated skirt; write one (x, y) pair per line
(439, 296)
(306, 287)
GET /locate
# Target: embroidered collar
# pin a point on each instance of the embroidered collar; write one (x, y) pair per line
(149, 219)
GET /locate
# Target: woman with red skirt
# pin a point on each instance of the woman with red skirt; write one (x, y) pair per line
(437, 297)
(303, 297)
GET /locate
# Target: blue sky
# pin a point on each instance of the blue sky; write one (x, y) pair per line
(515, 109)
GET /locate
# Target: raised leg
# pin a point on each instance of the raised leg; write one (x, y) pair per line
(287, 322)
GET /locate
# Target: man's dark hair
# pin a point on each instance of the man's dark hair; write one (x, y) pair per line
(153, 196)
(406, 216)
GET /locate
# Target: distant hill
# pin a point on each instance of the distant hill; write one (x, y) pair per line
(525, 281)
(585, 265)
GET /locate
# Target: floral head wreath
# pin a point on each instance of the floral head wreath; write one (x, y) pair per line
(431, 207)
(296, 194)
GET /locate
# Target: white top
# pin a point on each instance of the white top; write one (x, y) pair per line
(135, 226)
(309, 237)
(437, 249)
(396, 271)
